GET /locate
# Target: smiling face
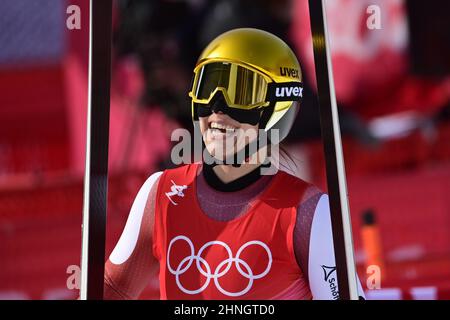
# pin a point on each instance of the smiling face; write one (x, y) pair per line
(224, 136)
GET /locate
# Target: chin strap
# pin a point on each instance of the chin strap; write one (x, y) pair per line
(241, 183)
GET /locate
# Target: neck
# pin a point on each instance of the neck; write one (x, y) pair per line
(230, 173)
(227, 178)
(233, 178)
(227, 173)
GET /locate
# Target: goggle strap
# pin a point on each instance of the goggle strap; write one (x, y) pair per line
(284, 91)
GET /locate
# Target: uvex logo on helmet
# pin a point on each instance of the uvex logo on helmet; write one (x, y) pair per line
(290, 72)
(287, 92)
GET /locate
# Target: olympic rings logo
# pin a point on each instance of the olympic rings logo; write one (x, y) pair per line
(205, 269)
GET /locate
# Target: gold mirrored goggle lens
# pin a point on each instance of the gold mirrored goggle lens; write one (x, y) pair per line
(243, 88)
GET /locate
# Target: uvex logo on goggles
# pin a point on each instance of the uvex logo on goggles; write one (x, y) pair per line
(285, 91)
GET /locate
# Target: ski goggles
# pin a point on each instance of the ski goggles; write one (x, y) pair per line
(243, 87)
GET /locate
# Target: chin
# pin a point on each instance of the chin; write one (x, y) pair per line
(213, 146)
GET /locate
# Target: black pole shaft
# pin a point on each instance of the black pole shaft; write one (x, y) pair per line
(97, 157)
(328, 134)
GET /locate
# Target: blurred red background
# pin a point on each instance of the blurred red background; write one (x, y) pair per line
(397, 151)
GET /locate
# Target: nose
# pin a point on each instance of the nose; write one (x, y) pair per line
(218, 104)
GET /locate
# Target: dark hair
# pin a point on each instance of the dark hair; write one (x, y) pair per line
(290, 160)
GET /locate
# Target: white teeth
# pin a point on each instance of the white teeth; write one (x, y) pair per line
(215, 125)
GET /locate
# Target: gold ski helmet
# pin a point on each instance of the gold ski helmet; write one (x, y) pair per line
(253, 69)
